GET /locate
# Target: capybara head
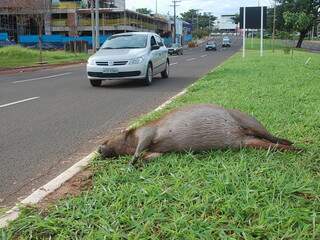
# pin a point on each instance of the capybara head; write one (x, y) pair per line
(113, 147)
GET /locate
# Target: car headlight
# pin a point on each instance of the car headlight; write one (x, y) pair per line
(91, 61)
(136, 60)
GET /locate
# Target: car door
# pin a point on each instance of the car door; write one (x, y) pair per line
(155, 55)
(163, 53)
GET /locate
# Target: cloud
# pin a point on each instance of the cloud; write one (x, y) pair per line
(216, 7)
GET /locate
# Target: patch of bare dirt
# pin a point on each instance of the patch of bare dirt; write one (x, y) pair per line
(73, 187)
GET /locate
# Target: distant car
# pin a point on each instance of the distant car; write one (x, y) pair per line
(175, 48)
(211, 46)
(134, 55)
(226, 42)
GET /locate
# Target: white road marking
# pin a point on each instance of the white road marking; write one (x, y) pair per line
(21, 101)
(40, 78)
(190, 59)
(171, 64)
(204, 55)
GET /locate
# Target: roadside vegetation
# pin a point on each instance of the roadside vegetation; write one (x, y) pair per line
(246, 194)
(17, 56)
(254, 44)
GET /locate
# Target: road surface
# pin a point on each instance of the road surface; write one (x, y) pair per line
(49, 119)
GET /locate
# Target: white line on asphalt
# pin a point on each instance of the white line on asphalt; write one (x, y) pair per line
(40, 78)
(190, 59)
(171, 64)
(21, 101)
(204, 55)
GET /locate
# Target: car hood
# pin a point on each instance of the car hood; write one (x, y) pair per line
(119, 54)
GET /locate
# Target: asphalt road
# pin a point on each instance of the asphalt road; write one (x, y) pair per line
(49, 119)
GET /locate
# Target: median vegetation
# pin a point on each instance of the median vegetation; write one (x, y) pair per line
(17, 56)
(246, 194)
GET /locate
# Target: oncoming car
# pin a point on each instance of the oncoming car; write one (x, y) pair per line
(137, 55)
(211, 46)
(175, 48)
(226, 42)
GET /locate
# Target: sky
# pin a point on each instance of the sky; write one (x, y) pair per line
(216, 7)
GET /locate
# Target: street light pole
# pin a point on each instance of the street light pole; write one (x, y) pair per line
(125, 16)
(92, 26)
(274, 24)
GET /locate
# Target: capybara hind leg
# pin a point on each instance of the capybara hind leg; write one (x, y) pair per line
(264, 144)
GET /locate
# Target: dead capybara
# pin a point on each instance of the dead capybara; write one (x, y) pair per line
(197, 128)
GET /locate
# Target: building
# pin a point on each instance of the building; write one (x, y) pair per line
(225, 23)
(73, 18)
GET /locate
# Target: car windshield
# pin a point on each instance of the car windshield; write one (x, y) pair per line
(126, 41)
(226, 39)
(210, 43)
(175, 45)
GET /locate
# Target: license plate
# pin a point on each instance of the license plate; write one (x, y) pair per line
(110, 70)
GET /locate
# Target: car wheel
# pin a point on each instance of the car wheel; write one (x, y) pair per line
(95, 82)
(181, 52)
(165, 73)
(149, 76)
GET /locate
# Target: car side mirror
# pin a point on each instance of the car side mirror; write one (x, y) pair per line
(155, 47)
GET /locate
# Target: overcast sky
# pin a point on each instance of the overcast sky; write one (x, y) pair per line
(217, 7)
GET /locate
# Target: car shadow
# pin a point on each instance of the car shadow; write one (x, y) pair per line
(134, 83)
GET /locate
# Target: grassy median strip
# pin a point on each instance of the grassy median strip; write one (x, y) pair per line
(245, 194)
(16, 56)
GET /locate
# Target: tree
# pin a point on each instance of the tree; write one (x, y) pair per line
(144, 11)
(200, 20)
(38, 11)
(236, 18)
(300, 16)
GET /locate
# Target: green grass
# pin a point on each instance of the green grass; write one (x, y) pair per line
(247, 194)
(16, 56)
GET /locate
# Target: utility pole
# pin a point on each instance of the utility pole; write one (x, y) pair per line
(175, 18)
(274, 24)
(92, 27)
(197, 12)
(97, 25)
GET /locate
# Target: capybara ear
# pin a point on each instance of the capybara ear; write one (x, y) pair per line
(106, 142)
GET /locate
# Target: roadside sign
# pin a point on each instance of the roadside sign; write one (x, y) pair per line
(253, 18)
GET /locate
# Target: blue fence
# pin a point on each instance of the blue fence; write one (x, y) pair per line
(4, 40)
(4, 37)
(57, 41)
(187, 38)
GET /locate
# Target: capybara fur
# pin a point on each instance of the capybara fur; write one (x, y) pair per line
(196, 128)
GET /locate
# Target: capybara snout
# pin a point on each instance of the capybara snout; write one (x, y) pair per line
(105, 151)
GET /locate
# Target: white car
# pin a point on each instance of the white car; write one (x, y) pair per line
(134, 55)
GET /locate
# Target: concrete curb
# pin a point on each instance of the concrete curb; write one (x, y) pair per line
(57, 182)
(45, 190)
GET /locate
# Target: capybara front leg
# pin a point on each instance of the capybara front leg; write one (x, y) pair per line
(150, 156)
(264, 144)
(145, 139)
